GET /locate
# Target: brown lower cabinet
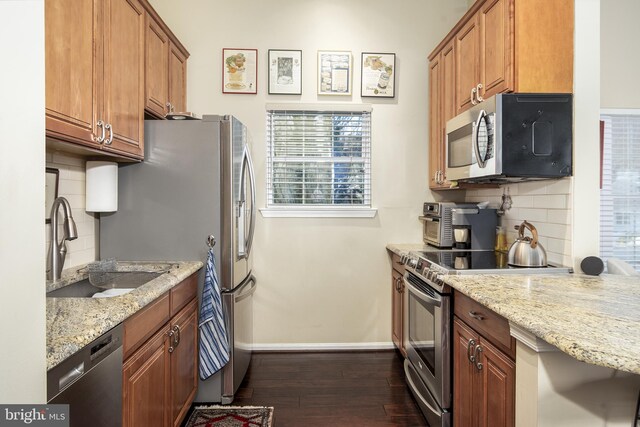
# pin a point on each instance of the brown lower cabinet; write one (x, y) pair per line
(397, 303)
(160, 373)
(483, 381)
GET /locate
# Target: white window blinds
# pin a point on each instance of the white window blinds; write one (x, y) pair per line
(620, 194)
(318, 159)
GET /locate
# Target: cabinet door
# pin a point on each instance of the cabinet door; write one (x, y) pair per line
(436, 144)
(145, 382)
(496, 47)
(396, 310)
(498, 393)
(156, 68)
(467, 63)
(70, 30)
(184, 366)
(177, 79)
(448, 100)
(465, 376)
(124, 74)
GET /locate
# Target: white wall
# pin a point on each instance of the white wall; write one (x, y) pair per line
(325, 280)
(620, 56)
(22, 268)
(586, 131)
(72, 186)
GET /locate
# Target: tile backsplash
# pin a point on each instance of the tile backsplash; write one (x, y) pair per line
(72, 186)
(545, 204)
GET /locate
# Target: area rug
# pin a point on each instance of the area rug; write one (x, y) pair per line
(230, 416)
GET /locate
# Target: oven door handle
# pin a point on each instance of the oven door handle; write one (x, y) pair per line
(407, 366)
(423, 296)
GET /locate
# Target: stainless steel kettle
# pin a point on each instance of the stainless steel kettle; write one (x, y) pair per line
(527, 251)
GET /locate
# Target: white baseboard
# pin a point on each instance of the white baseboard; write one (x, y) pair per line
(324, 346)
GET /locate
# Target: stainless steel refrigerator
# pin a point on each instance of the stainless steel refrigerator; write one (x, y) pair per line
(197, 180)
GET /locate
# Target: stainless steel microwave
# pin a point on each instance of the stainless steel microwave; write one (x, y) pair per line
(511, 137)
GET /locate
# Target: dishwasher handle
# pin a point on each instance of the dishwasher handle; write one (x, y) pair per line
(75, 373)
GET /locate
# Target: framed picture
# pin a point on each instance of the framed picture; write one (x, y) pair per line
(52, 177)
(378, 75)
(285, 72)
(334, 72)
(239, 70)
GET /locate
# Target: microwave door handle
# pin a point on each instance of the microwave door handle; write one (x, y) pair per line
(423, 297)
(474, 139)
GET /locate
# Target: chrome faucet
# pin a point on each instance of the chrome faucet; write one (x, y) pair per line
(58, 249)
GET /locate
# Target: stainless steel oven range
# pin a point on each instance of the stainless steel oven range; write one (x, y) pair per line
(428, 341)
(430, 307)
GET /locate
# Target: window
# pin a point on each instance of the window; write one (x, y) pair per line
(620, 194)
(318, 160)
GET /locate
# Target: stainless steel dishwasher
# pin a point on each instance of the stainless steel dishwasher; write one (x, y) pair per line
(90, 382)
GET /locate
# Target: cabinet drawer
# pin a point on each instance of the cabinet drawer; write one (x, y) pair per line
(184, 292)
(142, 325)
(489, 324)
(396, 263)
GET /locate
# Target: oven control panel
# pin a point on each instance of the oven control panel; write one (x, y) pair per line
(425, 269)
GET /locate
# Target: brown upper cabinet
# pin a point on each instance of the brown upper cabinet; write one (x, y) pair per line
(498, 46)
(165, 69)
(96, 78)
(95, 75)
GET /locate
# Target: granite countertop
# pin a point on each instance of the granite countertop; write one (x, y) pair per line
(405, 248)
(595, 319)
(73, 323)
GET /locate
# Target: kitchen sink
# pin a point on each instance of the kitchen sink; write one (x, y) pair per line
(120, 281)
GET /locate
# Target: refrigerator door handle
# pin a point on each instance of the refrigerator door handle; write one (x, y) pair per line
(252, 182)
(248, 293)
(247, 165)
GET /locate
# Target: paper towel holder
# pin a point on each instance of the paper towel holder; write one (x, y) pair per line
(101, 186)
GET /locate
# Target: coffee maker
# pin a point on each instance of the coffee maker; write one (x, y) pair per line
(474, 228)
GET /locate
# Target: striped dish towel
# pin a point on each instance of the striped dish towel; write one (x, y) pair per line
(214, 344)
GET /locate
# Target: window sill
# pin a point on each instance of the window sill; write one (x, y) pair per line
(318, 212)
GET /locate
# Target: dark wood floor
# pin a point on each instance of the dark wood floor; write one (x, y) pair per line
(331, 389)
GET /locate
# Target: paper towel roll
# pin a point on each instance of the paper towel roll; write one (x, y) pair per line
(102, 186)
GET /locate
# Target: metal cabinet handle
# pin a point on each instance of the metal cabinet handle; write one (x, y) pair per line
(176, 339)
(110, 129)
(476, 315)
(476, 357)
(478, 96)
(470, 346)
(473, 96)
(100, 139)
(170, 334)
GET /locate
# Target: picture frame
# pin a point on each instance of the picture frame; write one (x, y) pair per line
(51, 182)
(334, 72)
(285, 72)
(378, 75)
(239, 71)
